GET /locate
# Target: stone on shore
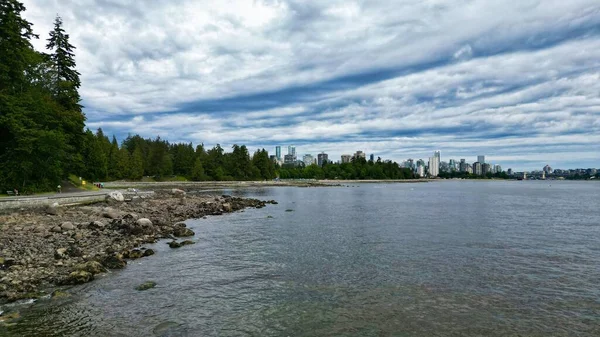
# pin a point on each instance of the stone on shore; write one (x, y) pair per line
(116, 196)
(56, 229)
(183, 232)
(148, 252)
(79, 277)
(178, 193)
(92, 267)
(114, 261)
(174, 244)
(110, 213)
(67, 226)
(60, 253)
(52, 209)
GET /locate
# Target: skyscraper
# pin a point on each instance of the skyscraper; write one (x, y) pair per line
(278, 152)
(438, 155)
(481, 159)
(308, 159)
(372, 157)
(346, 158)
(434, 166)
(322, 158)
(292, 150)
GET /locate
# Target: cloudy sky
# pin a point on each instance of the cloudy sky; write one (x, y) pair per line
(518, 81)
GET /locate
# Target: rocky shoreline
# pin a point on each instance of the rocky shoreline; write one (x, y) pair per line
(55, 246)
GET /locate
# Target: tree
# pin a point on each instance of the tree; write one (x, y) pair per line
(65, 77)
(136, 171)
(198, 171)
(16, 50)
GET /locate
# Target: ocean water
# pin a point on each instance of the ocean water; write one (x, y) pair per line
(452, 258)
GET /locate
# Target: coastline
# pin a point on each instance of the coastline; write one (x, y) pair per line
(50, 247)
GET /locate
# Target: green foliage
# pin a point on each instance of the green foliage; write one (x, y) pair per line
(357, 169)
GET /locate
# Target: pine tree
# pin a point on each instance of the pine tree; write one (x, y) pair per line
(15, 47)
(64, 75)
(136, 171)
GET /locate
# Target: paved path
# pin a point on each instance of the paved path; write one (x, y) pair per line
(56, 195)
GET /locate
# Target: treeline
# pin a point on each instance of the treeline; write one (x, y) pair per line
(357, 169)
(466, 175)
(138, 157)
(41, 121)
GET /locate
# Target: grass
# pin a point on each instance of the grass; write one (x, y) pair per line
(89, 186)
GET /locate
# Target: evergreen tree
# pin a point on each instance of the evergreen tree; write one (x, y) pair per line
(64, 75)
(136, 171)
(16, 50)
(198, 171)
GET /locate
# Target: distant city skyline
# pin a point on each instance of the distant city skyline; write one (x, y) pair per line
(445, 158)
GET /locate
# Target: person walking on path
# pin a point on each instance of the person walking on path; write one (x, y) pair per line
(59, 188)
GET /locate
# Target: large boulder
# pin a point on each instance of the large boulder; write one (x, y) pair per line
(116, 196)
(227, 207)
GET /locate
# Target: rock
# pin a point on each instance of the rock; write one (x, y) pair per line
(131, 217)
(110, 213)
(144, 222)
(146, 286)
(114, 262)
(174, 244)
(116, 196)
(149, 252)
(178, 193)
(60, 253)
(134, 254)
(92, 267)
(227, 207)
(74, 251)
(96, 225)
(183, 232)
(59, 294)
(289, 210)
(180, 225)
(56, 229)
(52, 209)
(79, 277)
(67, 226)
(187, 242)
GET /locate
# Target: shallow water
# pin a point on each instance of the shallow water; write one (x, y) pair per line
(436, 259)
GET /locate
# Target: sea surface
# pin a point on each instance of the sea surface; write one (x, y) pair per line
(451, 258)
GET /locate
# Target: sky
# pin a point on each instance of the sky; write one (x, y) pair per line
(517, 81)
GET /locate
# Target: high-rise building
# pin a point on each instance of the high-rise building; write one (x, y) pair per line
(360, 154)
(372, 157)
(486, 168)
(509, 172)
(469, 169)
(438, 155)
(322, 158)
(292, 150)
(421, 171)
(477, 170)
(308, 159)
(497, 169)
(452, 165)
(346, 158)
(278, 152)
(289, 159)
(434, 166)
(481, 159)
(463, 165)
(547, 169)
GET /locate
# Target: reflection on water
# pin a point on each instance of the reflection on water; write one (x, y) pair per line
(438, 259)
